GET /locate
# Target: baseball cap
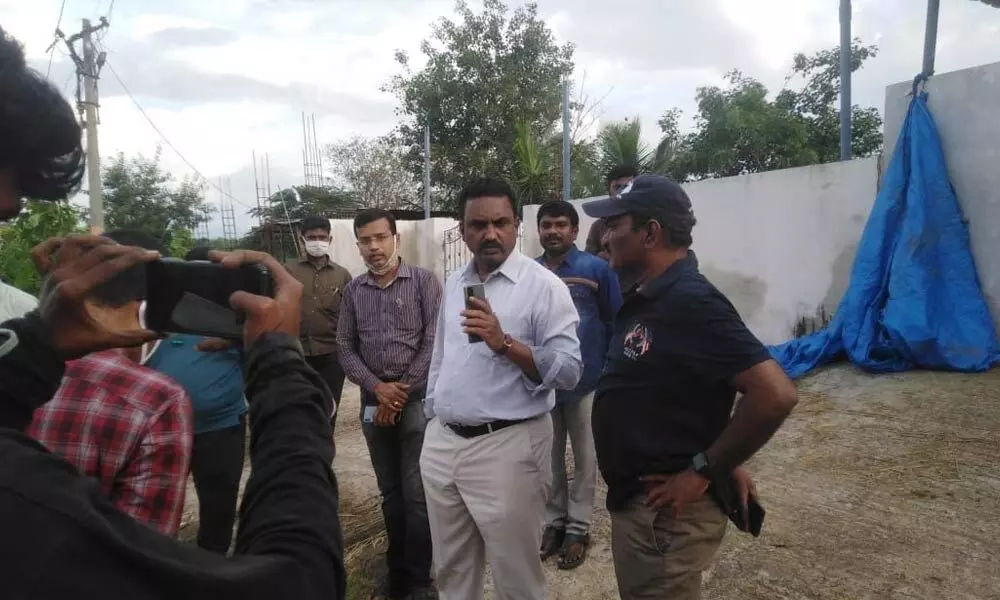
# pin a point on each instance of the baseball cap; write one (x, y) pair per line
(652, 195)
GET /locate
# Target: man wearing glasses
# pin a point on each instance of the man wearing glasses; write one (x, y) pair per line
(388, 319)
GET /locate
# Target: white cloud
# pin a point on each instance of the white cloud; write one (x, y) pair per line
(226, 77)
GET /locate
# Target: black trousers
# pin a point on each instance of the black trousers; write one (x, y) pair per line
(395, 453)
(217, 464)
(329, 369)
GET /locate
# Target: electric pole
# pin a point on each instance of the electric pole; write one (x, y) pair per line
(88, 70)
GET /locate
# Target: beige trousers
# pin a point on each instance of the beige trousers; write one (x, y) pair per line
(486, 501)
(658, 557)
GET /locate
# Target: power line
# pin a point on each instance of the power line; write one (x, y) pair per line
(62, 8)
(167, 140)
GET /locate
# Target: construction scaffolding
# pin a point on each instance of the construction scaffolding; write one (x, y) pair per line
(277, 233)
(227, 214)
(312, 154)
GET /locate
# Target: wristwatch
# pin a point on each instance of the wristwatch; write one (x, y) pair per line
(701, 466)
(507, 343)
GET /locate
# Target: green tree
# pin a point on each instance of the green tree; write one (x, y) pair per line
(139, 194)
(38, 222)
(535, 176)
(739, 129)
(374, 169)
(301, 201)
(620, 143)
(484, 74)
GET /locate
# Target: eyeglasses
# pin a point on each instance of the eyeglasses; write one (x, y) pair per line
(378, 239)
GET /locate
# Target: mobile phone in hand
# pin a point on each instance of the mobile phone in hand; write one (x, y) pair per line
(476, 290)
(193, 296)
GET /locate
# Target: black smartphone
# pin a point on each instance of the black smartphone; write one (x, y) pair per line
(193, 296)
(755, 516)
(476, 290)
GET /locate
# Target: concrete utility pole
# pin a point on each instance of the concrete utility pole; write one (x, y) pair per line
(88, 70)
(930, 36)
(566, 183)
(427, 171)
(845, 80)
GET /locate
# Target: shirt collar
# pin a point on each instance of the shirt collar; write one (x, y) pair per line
(404, 271)
(569, 259)
(662, 282)
(305, 261)
(511, 268)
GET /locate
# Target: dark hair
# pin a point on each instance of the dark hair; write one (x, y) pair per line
(198, 253)
(39, 135)
(676, 219)
(619, 172)
(130, 284)
(313, 222)
(559, 208)
(370, 215)
(484, 187)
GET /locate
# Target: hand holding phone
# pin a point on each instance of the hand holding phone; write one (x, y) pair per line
(476, 290)
(194, 296)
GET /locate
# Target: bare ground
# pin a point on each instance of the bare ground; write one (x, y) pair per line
(876, 488)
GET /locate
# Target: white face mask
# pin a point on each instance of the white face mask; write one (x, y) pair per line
(147, 350)
(389, 264)
(317, 248)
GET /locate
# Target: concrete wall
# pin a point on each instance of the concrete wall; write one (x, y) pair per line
(420, 244)
(966, 108)
(780, 244)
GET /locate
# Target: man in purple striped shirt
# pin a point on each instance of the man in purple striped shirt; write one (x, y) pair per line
(385, 335)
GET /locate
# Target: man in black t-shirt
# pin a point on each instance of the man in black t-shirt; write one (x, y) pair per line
(664, 425)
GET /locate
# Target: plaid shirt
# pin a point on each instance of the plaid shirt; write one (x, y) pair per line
(127, 426)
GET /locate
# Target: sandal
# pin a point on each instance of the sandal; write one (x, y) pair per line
(574, 551)
(552, 542)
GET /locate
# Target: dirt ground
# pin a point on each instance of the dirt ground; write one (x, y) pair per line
(876, 488)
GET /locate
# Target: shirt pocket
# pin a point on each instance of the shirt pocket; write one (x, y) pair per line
(406, 315)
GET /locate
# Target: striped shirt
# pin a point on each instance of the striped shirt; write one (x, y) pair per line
(387, 334)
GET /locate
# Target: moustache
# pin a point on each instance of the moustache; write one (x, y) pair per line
(552, 238)
(490, 246)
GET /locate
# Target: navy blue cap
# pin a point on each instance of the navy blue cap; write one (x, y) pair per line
(651, 195)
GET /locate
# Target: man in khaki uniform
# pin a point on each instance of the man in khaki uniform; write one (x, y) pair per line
(323, 284)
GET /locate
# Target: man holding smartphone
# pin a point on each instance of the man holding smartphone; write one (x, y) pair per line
(486, 461)
(386, 337)
(668, 441)
(323, 282)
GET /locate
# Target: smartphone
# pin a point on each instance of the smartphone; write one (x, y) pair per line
(193, 296)
(369, 415)
(476, 290)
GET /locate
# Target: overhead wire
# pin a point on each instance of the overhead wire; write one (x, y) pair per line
(55, 41)
(167, 141)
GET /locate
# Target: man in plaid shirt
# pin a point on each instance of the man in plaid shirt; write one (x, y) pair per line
(126, 425)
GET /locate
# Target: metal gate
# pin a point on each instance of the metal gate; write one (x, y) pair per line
(456, 253)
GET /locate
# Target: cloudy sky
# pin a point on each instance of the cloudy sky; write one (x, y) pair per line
(223, 78)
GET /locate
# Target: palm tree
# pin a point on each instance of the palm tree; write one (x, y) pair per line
(620, 143)
(536, 170)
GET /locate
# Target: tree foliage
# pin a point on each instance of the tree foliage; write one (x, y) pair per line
(485, 73)
(38, 222)
(139, 194)
(301, 201)
(374, 171)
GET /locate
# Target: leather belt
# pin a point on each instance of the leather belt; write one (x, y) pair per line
(472, 431)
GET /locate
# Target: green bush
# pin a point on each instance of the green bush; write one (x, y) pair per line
(37, 222)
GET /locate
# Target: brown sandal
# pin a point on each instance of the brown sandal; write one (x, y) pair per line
(552, 542)
(574, 551)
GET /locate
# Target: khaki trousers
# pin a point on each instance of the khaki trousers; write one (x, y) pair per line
(486, 501)
(658, 557)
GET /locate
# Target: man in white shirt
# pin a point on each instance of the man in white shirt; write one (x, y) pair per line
(486, 460)
(14, 303)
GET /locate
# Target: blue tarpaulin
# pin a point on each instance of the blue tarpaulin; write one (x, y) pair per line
(913, 300)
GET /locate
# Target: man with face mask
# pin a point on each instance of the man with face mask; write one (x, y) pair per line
(127, 426)
(386, 336)
(323, 282)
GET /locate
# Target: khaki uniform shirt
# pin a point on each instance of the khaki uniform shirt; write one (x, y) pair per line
(322, 290)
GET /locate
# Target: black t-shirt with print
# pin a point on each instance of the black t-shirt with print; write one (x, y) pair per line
(666, 392)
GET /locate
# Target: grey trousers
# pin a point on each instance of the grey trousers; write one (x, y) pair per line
(572, 504)
(485, 501)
